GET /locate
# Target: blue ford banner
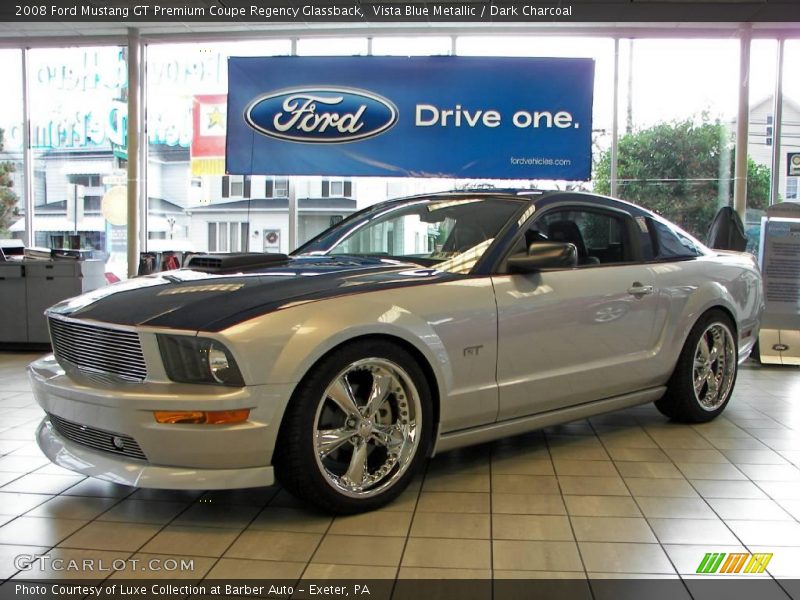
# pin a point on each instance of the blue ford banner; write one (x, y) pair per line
(505, 118)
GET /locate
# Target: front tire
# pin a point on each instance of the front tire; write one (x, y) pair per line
(356, 429)
(702, 383)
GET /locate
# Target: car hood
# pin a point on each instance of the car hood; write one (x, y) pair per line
(195, 300)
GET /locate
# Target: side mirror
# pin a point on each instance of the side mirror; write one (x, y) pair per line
(544, 255)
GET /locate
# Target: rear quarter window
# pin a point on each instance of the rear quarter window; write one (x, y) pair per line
(671, 242)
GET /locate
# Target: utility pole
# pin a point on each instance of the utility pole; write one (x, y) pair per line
(629, 115)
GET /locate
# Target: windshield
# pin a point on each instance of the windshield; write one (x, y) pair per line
(446, 234)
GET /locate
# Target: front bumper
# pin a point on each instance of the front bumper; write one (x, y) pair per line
(177, 456)
(140, 474)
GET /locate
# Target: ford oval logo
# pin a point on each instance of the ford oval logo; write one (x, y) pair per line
(321, 115)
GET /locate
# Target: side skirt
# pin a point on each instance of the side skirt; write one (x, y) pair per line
(494, 431)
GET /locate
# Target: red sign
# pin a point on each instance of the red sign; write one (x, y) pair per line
(209, 114)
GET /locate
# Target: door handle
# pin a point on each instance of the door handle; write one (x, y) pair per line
(638, 290)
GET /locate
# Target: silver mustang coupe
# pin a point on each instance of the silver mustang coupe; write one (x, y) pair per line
(412, 327)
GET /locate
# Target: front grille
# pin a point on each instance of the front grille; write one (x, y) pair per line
(98, 439)
(98, 349)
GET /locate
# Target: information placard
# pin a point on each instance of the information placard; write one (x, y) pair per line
(780, 266)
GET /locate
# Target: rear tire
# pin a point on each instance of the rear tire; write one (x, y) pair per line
(357, 428)
(702, 383)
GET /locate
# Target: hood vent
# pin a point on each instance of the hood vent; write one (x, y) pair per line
(230, 262)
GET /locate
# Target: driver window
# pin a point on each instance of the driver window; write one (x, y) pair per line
(598, 236)
(532, 235)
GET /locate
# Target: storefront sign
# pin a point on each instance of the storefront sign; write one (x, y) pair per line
(75, 99)
(514, 118)
(208, 143)
(101, 126)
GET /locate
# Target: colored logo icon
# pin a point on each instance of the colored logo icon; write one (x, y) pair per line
(721, 562)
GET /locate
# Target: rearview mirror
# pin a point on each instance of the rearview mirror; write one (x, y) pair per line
(544, 255)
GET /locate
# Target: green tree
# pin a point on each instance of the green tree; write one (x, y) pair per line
(8, 199)
(758, 184)
(682, 170)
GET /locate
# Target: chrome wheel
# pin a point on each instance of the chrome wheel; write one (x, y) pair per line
(714, 366)
(367, 427)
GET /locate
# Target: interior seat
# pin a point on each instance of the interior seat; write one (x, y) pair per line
(569, 232)
(533, 236)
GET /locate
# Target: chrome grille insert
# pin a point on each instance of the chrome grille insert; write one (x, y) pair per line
(98, 350)
(98, 439)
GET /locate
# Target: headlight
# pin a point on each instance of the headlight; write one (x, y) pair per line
(190, 359)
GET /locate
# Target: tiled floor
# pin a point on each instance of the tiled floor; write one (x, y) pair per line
(627, 493)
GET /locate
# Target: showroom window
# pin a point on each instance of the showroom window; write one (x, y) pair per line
(671, 82)
(685, 89)
(186, 111)
(12, 170)
(678, 107)
(761, 136)
(789, 147)
(78, 114)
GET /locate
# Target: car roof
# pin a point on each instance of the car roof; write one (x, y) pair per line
(533, 196)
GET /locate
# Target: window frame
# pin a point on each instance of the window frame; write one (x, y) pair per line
(212, 236)
(337, 182)
(655, 240)
(228, 181)
(629, 231)
(271, 185)
(327, 187)
(284, 185)
(794, 180)
(225, 233)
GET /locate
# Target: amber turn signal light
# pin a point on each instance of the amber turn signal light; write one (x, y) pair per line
(203, 417)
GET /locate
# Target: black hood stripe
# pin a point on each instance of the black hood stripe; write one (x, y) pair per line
(233, 319)
(194, 301)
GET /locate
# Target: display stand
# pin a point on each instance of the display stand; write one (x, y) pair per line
(779, 257)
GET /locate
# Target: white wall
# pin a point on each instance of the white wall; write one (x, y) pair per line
(176, 183)
(57, 172)
(259, 223)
